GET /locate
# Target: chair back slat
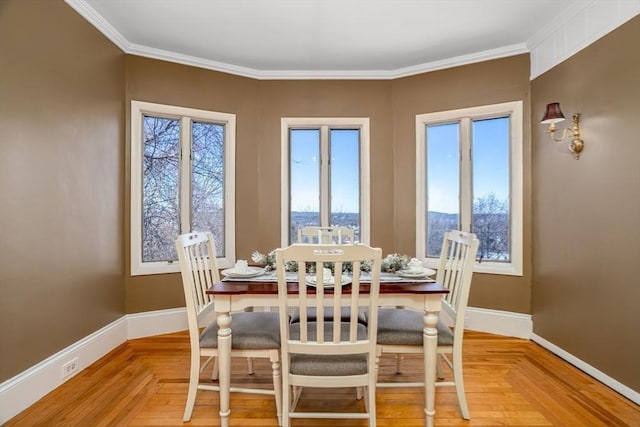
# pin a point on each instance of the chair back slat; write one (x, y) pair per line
(198, 265)
(326, 235)
(354, 309)
(329, 334)
(456, 268)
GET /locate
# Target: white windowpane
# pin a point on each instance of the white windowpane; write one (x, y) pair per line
(304, 169)
(325, 178)
(443, 184)
(469, 177)
(160, 184)
(182, 179)
(490, 142)
(207, 181)
(345, 179)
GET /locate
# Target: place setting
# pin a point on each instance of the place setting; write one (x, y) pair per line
(395, 268)
(415, 270)
(328, 279)
(242, 270)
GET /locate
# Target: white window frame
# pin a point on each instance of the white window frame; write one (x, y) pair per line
(186, 115)
(514, 111)
(361, 123)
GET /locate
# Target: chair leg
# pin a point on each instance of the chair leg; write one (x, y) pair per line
(378, 356)
(250, 365)
(194, 378)
(439, 372)
(371, 407)
(214, 374)
(277, 384)
(459, 381)
(370, 390)
(398, 363)
(295, 398)
(286, 403)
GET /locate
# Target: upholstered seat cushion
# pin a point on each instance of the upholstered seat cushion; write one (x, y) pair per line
(398, 326)
(327, 365)
(249, 330)
(345, 315)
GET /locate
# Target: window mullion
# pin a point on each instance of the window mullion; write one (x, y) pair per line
(482, 157)
(185, 175)
(325, 206)
(466, 188)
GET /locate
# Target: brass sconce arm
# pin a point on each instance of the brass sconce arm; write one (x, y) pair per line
(552, 116)
(576, 145)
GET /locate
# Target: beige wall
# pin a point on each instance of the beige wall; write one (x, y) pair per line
(163, 82)
(61, 180)
(586, 286)
(64, 180)
(391, 107)
(324, 98)
(489, 82)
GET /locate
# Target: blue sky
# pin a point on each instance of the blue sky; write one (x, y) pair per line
(490, 162)
(490, 166)
(305, 170)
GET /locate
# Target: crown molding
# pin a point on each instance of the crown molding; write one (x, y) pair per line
(566, 34)
(95, 19)
(502, 52)
(486, 55)
(576, 28)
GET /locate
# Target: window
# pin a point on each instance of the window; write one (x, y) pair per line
(325, 175)
(182, 180)
(469, 177)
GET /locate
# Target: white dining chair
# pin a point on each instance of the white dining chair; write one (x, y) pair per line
(400, 331)
(328, 352)
(326, 235)
(255, 334)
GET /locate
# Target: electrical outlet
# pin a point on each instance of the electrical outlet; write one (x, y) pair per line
(70, 368)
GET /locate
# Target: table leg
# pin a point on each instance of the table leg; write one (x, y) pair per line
(224, 365)
(430, 343)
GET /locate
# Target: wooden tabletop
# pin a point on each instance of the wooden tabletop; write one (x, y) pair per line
(257, 287)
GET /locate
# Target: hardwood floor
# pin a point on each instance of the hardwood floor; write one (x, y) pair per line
(508, 382)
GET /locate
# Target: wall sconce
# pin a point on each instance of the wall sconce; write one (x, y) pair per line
(554, 115)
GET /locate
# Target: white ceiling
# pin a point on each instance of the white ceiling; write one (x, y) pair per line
(324, 38)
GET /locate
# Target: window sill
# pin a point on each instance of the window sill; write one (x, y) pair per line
(485, 267)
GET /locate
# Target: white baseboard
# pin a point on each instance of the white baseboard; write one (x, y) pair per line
(157, 322)
(627, 392)
(499, 322)
(26, 388)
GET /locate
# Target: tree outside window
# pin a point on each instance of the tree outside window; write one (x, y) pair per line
(469, 177)
(181, 181)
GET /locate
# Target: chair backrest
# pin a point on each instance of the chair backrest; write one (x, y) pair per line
(326, 235)
(331, 334)
(455, 271)
(199, 272)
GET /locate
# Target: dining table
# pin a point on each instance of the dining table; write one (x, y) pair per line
(234, 294)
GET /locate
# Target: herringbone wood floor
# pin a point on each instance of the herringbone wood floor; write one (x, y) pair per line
(508, 382)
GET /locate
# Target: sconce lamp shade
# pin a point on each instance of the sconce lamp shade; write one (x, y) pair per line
(553, 114)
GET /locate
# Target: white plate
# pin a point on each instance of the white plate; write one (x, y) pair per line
(250, 272)
(311, 281)
(411, 274)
